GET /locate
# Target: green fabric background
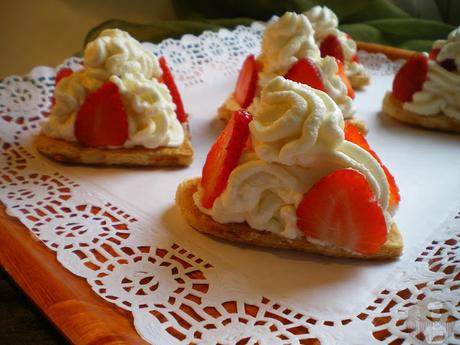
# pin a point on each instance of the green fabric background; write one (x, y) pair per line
(378, 21)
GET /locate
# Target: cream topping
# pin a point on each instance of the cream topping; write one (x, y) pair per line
(292, 123)
(117, 57)
(289, 38)
(326, 23)
(115, 52)
(298, 138)
(335, 87)
(450, 48)
(286, 39)
(441, 91)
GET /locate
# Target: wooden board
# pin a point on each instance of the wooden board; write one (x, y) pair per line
(67, 300)
(391, 52)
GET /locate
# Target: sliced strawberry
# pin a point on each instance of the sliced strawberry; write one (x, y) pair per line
(410, 78)
(62, 73)
(246, 85)
(248, 145)
(168, 80)
(102, 120)
(224, 156)
(353, 134)
(341, 209)
(330, 46)
(343, 74)
(306, 72)
(355, 58)
(434, 53)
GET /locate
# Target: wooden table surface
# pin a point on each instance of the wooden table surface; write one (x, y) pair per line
(66, 300)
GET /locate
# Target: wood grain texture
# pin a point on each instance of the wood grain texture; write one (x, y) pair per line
(65, 299)
(391, 52)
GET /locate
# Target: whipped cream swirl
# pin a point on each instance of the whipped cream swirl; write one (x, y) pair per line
(335, 86)
(115, 52)
(286, 39)
(450, 48)
(290, 38)
(117, 57)
(293, 124)
(298, 138)
(326, 23)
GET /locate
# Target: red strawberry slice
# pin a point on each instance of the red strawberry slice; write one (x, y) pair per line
(434, 53)
(341, 209)
(353, 134)
(355, 58)
(168, 80)
(342, 73)
(246, 85)
(224, 156)
(62, 73)
(306, 72)
(410, 78)
(102, 120)
(330, 46)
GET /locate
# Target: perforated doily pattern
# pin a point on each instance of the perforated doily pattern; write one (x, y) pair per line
(181, 295)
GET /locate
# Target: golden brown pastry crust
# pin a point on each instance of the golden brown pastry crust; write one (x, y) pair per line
(224, 113)
(241, 232)
(73, 152)
(360, 80)
(392, 53)
(393, 108)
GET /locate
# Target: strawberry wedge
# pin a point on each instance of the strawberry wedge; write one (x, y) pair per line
(102, 120)
(340, 209)
(410, 78)
(246, 85)
(354, 135)
(168, 80)
(63, 73)
(342, 73)
(306, 72)
(224, 156)
(331, 46)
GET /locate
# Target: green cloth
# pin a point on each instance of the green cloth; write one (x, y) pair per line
(377, 21)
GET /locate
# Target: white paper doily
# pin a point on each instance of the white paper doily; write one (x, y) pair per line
(119, 229)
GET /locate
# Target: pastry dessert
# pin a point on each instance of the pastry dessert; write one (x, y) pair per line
(336, 43)
(426, 90)
(295, 175)
(289, 50)
(121, 108)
